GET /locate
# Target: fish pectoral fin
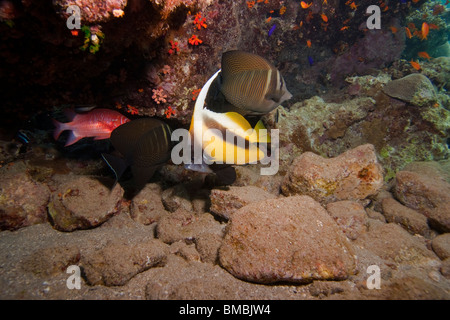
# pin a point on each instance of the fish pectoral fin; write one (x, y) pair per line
(261, 136)
(117, 165)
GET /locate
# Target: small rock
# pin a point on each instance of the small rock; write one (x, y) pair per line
(207, 245)
(353, 175)
(372, 214)
(409, 219)
(23, 202)
(225, 202)
(251, 175)
(414, 88)
(395, 245)
(377, 199)
(445, 268)
(83, 203)
(176, 197)
(51, 261)
(186, 226)
(430, 168)
(186, 251)
(147, 207)
(290, 239)
(350, 216)
(119, 261)
(441, 246)
(428, 194)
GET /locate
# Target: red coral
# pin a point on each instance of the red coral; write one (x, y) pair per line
(132, 110)
(169, 112)
(174, 47)
(194, 40)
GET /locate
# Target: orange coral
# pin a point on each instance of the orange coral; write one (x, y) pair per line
(194, 40)
(199, 21)
(132, 110)
(169, 112)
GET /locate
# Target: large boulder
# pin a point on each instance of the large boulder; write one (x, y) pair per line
(290, 239)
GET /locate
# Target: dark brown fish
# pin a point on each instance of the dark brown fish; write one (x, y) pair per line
(144, 145)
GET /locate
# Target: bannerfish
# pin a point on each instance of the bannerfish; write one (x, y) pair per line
(142, 144)
(97, 123)
(216, 148)
(250, 83)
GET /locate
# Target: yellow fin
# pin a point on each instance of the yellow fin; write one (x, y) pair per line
(260, 136)
(239, 120)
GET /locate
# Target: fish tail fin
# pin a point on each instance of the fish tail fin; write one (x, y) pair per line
(59, 127)
(117, 165)
(72, 139)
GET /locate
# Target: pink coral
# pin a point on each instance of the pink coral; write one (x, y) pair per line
(159, 96)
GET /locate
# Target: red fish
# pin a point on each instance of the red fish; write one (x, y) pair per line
(98, 123)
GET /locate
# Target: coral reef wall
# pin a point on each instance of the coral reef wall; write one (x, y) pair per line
(123, 50)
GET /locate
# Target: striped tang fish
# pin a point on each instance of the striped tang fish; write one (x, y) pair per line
(144, 145)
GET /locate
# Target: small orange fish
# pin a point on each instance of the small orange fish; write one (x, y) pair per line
(308, 43)
(425, 30)
(411, 26)
(433, 26)
(424, 55)
(393, 29)
(268, 19)
(344, 28)
(140, 90)
(353, 6)
(324, 17)
(74, 33)
(415, 65)
(325, 2)
(408, 33)
(305, 5)
(282, 10)
(385, 9)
